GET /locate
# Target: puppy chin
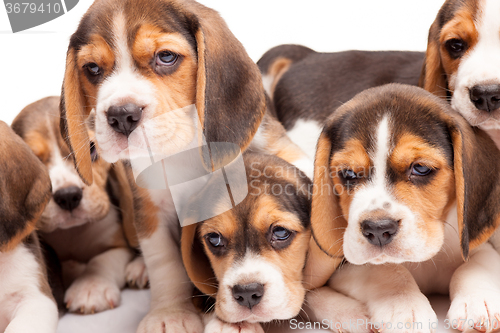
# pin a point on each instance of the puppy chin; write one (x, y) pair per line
(61, 221)
(369, 254)
(259, 314)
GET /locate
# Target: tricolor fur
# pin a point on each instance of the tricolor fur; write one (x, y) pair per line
(26, 302)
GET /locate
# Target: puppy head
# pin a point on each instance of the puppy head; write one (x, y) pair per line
(390, 163)
(461, 60)
(24, 189)
(135, 61)
(256, 251)
(73, 202)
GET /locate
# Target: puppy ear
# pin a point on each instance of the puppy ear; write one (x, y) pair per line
(433, 77)
(196, 262)
(327, 221)
(477, 182)
(230, 97)
(123, 191)
(74, 111)
(25, 190)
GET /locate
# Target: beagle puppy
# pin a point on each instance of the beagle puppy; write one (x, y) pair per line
(461, 61)
(398, 193)
(83, 224)
(250, 259)
(139, 64)
(306, 86)
(26, 302)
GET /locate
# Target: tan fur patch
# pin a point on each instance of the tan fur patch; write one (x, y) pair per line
(431, 202)
(146, 221)
(277, 69)
(178, 89)
(353, 157)
(38, 144)
(460, 27)
(99, 52)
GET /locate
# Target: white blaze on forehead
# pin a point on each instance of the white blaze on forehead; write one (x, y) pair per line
(124, 85)
(488, 23)
(381, 153)
(61, 170)
(123, 57)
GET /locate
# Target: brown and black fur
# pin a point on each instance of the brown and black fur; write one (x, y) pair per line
(425, 116)
(311, 85)
(24, 188)
(241, 228)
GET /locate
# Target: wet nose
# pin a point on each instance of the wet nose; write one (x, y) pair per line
(124, 118)
(248, 295)
(380, 232)
(68, 198)
(486, 98)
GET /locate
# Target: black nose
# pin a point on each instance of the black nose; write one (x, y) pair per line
(68, 198)
(486, 98)
(381, 232)
(248, 295)
(124, 118)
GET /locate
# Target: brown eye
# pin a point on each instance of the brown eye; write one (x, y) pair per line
(166, 58)
(420, 170)
(349, 175)
(281, 234)
(216, 243)
(456, 47)
(215, 239)
(280, 238)
(93, 69)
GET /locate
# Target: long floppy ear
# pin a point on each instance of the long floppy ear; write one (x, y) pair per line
(124, 194)
(196, 262)
(477, 179)
(433, 77)
(25, 189)
(327, 221)
(74, 111)
(230, 97)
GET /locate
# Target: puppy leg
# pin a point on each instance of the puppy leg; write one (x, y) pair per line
(391, 294)
(475, 292)
(172, 309)
(215, 325)
(339, 312)
(98, 288)
(37, 313)
(136, 273)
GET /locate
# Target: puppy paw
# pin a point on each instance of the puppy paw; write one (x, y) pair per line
(91, 294)
(136, 273)
(169, 320)
(339, 312)
(475, 312)
(215, 325)
(404, 315)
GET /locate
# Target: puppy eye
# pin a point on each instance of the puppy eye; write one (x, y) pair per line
(420, 170)
(215, 239)
(281, 234)
(279, 237)
(93, 69)
(456, 47)
(349, 175)
(166, 58)
(93, 152)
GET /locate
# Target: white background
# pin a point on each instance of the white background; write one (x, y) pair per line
(32, 62)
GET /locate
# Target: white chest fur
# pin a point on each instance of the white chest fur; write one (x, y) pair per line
(19, 279)
(433, 276)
